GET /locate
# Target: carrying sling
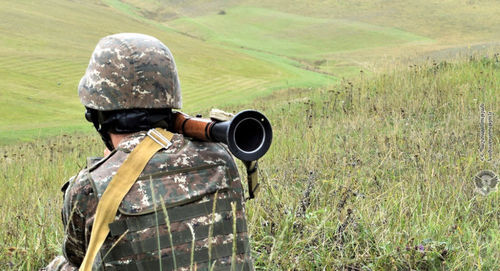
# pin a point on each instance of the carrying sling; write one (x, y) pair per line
(119, 186)
(252, 178)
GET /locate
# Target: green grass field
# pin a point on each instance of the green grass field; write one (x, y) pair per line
(44, 51)
(368, 170)
(256, 48)
(290, 35)
(373, 174)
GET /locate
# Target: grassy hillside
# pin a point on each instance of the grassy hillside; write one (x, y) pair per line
(449, 21)
(45, 48)
(288, 34)
(313, 42)
(372, 174)
(255, 48)
(344, 35)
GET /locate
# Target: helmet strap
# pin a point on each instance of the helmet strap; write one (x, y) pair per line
(127, 121)
(94, 116)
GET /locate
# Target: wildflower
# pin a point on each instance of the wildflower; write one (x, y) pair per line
(421, 248)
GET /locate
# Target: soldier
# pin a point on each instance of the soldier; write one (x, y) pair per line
(188, 196)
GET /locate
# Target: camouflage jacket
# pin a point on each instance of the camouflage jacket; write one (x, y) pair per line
(189, 195)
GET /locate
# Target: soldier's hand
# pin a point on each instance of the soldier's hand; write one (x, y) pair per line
(106, 152)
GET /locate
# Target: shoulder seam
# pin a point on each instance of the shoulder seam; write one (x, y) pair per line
(96, 165)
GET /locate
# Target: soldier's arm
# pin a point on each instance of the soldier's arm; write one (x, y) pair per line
(78, 207)
(72, 221)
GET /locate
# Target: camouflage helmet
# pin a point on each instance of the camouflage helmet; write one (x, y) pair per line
(129, 71)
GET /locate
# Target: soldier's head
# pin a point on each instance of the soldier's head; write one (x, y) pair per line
(131, 84)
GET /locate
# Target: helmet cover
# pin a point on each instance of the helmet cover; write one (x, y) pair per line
(130, 71)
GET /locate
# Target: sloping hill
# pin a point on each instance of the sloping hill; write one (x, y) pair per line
(334, 36)
(226, 51)
(450, 21)
(313, 42)
(45, 47)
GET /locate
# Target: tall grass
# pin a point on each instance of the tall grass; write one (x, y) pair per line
(378, 174)
(31, 175)
(372, 173)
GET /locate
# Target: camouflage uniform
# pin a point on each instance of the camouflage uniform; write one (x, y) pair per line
(189, 174)
(188, 195)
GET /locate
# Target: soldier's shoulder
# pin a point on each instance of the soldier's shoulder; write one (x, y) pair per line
(81, 182)
(193, 153)
(78, 190)
(71, 181)
(184, 153)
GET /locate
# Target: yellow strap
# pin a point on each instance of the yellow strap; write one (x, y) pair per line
(119, 186)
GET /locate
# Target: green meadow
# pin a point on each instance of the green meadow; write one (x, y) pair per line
(374, 106)
(372, 174)
(290, 35)
(227, 53)
(45, 48)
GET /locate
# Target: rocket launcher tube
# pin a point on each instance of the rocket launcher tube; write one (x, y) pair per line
(248, 134)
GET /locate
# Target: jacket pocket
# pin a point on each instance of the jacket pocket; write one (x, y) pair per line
(174, 188)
